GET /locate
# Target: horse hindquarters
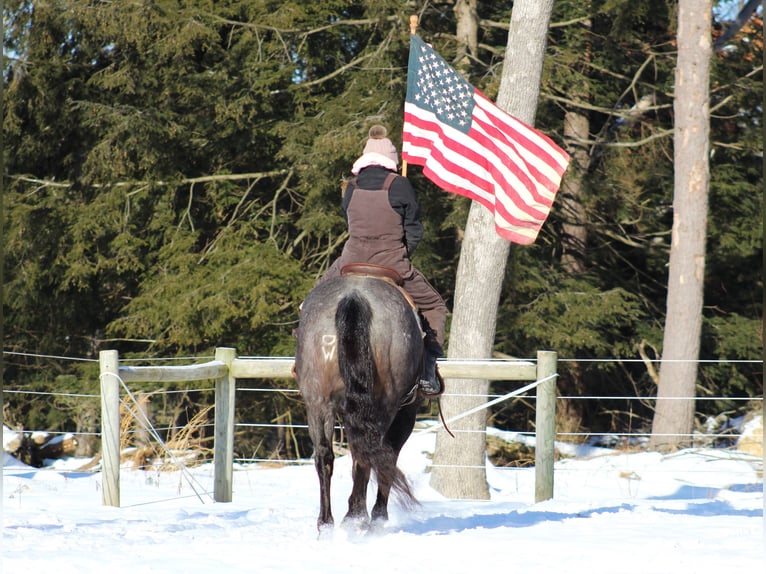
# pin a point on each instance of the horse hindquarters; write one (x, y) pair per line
(365, 418)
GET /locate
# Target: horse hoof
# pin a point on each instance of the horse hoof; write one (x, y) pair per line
(325, 531)
(379, 516)
(377, 527)
(356, 524)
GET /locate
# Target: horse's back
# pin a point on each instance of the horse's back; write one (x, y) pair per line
(389, 307)
(393, 331)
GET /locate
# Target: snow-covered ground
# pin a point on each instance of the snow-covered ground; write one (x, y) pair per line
(696, 511)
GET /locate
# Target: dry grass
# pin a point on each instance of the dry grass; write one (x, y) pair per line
(503, 453)
(184, 447)
(569, 421)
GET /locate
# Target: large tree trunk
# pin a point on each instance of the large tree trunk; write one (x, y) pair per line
(571, 200)
(674, 417)
(458, 466)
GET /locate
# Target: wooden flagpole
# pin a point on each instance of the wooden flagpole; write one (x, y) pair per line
(413, 31)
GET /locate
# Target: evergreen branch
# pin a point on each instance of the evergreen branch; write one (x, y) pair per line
(187, 180)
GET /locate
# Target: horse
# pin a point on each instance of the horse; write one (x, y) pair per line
(359, 355)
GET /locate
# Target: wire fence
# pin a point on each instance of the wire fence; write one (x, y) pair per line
(295, 433)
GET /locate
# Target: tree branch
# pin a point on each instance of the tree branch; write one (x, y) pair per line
(657, 135)
(648, 362)
(301, 31)
(381, 47)
(609, 111)
(132, 183)
(506, 25)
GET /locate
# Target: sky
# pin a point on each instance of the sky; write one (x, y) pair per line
(729, 9)
(695, 511)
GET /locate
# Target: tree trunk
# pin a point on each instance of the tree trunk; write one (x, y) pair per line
(576, 133)
(467, 33)
(575, 234)
(674, 417)
(458, 466)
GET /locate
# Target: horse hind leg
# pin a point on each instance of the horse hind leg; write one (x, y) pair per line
(324, 461)
(380, 510)
(357, 516)
(321, 428)
(397, 435)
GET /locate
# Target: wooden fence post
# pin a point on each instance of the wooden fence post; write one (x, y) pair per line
(223, 449)
(110, 427)
(545, 423)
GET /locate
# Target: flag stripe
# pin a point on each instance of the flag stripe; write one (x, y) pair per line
(550, 156)
(481, 174)
(469, 146)
(509, 217)
(454, 166)
(525, 151)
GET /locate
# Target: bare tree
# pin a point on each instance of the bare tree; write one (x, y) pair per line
(459, 470)
(674, 414)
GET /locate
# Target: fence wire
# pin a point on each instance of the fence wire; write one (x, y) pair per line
(492, 398)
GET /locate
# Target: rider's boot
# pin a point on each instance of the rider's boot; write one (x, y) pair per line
(431, 383)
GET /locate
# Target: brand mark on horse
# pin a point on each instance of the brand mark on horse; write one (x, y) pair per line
(328, 347)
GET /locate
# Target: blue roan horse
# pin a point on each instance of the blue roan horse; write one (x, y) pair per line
(359, 355)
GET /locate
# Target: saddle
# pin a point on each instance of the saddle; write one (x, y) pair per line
(379, 272)
(373, 270)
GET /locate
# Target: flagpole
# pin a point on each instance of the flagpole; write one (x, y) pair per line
(413, 31)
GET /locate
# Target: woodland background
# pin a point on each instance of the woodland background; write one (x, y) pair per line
(173, 176)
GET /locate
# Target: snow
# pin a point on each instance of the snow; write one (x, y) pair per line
(695, 511)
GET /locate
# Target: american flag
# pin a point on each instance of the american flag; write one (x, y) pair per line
(469, 146)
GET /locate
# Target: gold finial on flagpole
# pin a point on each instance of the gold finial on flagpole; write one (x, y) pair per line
(413, 31)
(413, 24)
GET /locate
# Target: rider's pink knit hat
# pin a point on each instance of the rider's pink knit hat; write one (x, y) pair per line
(379, 143)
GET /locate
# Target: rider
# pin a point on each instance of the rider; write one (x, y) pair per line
(384, 228)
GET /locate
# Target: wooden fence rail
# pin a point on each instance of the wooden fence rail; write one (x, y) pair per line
(226, 368)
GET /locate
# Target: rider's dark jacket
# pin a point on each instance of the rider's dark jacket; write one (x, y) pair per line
(384, 228)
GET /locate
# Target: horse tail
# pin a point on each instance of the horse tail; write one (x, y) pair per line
(365, 420)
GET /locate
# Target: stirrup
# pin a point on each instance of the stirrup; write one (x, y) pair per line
(426, 387)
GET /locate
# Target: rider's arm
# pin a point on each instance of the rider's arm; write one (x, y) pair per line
(403, 200)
